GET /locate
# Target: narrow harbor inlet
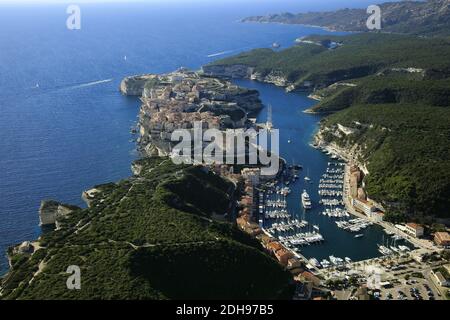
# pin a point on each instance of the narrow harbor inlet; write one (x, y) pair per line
(296, 132)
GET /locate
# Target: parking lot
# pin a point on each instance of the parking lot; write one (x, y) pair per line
(411, 281)
(401, 278)
(416, 289)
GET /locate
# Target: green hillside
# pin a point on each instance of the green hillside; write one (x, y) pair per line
(151, 237)
(357, 56)
(407, 150)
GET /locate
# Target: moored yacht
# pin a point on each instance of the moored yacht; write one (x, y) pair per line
(306, 200)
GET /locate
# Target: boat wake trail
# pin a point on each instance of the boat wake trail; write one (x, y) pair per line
(219, 53)
(93, 83)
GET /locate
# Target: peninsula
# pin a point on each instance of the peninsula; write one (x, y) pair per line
(178, 99)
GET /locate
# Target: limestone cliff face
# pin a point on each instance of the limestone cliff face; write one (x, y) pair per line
(52, 212)
(350, 152)
(134, 85)
(240, 71)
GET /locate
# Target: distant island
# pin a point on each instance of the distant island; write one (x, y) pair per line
(430, 18)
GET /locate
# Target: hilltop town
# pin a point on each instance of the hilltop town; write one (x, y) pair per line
(176, 100)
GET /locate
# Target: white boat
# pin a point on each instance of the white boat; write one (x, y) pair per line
(306, 200)
(360, 235)
(325, 263)
(348, 260)
(314, 262)
(384, 250)
(336, 261)
(307, 178)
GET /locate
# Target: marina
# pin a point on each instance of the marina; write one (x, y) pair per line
(322, 232)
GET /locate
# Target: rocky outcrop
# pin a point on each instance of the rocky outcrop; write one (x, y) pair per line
(50, 212)
(134, 85)
(349, 152)
(89, 195)
(240, 71)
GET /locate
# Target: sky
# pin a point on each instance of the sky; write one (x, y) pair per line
(259, 7)
(343, 3)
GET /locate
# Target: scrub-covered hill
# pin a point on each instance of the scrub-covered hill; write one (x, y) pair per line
(150, 237)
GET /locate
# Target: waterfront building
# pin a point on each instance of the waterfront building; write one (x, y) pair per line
(307, 276)
(294, 263)
(247, 226)
(265, 239)
(283, 256)
(414, 229)
(364, 206)
(442, 239)
(377, 216)
(274, 246)
(353, 186)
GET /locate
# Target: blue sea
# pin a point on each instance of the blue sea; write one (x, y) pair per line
(64, 126)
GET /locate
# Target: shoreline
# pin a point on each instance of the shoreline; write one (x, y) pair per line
(387, 227)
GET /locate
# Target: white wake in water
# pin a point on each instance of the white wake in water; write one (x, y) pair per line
(93, 83)
(219, 53)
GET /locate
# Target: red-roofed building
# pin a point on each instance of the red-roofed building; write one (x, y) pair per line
(283, 256)
(274, 246)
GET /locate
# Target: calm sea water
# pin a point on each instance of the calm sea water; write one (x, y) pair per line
(73, 131)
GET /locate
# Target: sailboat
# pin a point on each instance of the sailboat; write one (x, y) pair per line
(125, 58)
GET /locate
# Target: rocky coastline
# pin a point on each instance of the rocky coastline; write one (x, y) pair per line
(178, 99)
(241, 71)
(348, 153)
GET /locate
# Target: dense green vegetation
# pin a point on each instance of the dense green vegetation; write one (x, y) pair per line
(358, 56)
(151, 237)
(407, 149)
(382, 89)
(395, 90)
